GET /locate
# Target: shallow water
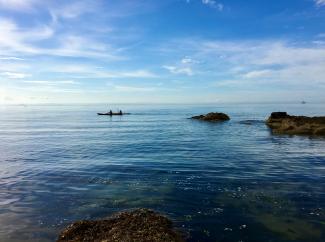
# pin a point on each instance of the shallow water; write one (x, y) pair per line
(231, 181)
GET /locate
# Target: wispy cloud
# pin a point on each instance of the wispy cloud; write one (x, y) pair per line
(188, 60)
(182, 67)
(68, 46)
(272, 52)
(14, 39)
(14, 75)
(52, 83)
(45, 89)
(135, 74)
(179, 70)
(73, 9)
(213, 4)
(268, 62)
(133, 89)
(320, 3)
(11, 58)
(257, 74)
(210, 3)
(77, 46)
(321, 35)
(18, 5)
(14, 66)
(89, 71)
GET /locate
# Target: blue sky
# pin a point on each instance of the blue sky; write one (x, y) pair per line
(170, 51)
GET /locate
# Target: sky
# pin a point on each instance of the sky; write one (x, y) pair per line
(162, 51)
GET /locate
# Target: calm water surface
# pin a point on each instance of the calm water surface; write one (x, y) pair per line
(226, 182)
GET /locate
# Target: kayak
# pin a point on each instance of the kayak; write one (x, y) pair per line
(113, 114)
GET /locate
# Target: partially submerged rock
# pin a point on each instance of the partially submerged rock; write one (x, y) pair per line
(141, 225)
(282, 123)
(213, 117)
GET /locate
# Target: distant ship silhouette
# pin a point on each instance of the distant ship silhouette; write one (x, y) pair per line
(303, 102)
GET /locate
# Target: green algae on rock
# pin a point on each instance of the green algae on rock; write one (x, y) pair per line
(282, 123)
(291, 228)
(275, 213)
(141, 225)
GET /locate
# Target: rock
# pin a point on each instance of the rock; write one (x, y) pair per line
(282, 123)
(213, 117)
(277, 115)
(141, 225)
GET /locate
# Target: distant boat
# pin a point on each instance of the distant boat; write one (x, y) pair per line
(303, 102)
(113, 114)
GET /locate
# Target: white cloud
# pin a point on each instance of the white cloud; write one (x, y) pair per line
(300, 75)
(227, 83)
(52, 83)
(14, 66)
(321, 35)
(14, 75)
(73, 9)
(133, 89)
(89, 71)
(179, 70)
(257, 74)
(135, 74)
(11, 58)
(18, 5)
(247, 64)
(44, 89)
(213, 4)
(188, 60)
(253, 52)
(183, 67)
(320, 2)
(78, 46)
(283, 54)
(15, 40)
(126, 74)
(319, 42)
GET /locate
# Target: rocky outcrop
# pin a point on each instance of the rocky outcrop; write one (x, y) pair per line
(282, 123)
(141, 225)
(213, 117)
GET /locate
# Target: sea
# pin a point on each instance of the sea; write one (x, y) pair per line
(232, 181)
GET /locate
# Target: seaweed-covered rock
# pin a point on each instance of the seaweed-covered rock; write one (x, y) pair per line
(282, 123)
(212, 117)
(141, 225)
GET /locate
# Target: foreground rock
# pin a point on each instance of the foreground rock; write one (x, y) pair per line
(213, 117)
(141, 225)
(282, 123)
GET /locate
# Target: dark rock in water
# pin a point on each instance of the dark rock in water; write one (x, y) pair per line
(141, 225)
(282, 123)
(276, 115)
(252, 122)
(246, 122)
(212, 117)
